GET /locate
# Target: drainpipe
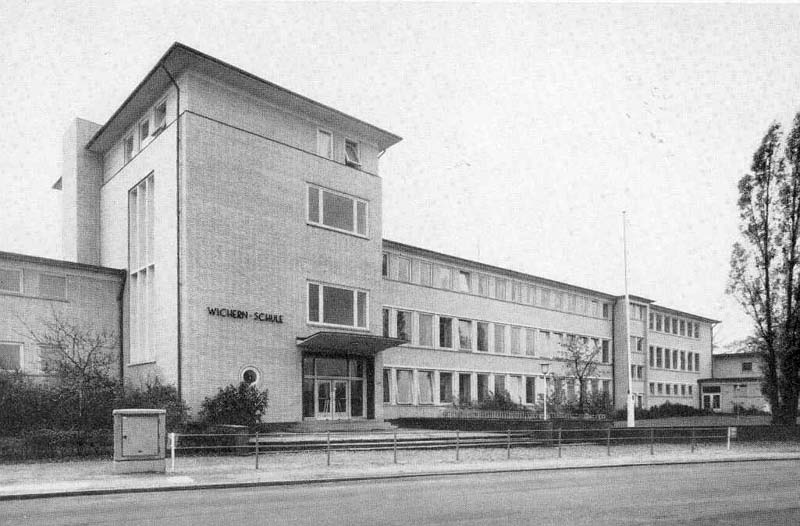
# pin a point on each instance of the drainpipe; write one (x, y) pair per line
(178, 218)
(121, 303)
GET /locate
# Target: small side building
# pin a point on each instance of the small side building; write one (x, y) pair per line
(735, 382)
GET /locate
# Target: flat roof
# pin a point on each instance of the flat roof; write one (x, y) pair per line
(180, 57)
(24, 258)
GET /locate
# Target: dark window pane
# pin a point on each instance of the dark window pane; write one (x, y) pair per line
(337, 306)
(464, 388)
(313, 302)
(361, 218)
(357, 398)
(446, 332)
(446, 387)
(308, 397)
(404, 325)
(331, 367)
(337, 211)
(362, 309)
(385, 323)
(386, 386)
(313, 205)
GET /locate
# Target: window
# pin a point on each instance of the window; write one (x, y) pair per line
(674, 325)
(141, 238)
(683, 360)
(660, 388)
(607, 387)
(639, 372)
(605, 351)
(652, 356)
(515, 337)
(250, 376)
(500, 289)
(530, 339)
(683, 390)
(682, 328)
(658, 322)
(444, 278)
(337, 211)
(652, 321)
(10, 356)
(690, 361)
(446, 388)
(499, 338)
(54, 287)
(516, 292)
(530, 390)
(446, 332)
(401, 269)
(160, 117)
(697, 362)
(558, 300)
(325, 144)
(747, 366)
(696, 331)
(545, 298)
(386, 323)
(483, 336)
(425, 277)
(426, 330)
(500, 384)
(425, 380)
(658, 357)
(385, 265)
(11, 280)
(531, 295)
(387, 393)
(483, 387)
(666, 358)
(464, 388)
(404, 325)
(337, 305)
(127, 147)
(464, 281)
(652, 388)
(351, 153)
(404, 384)
(465, 335)
(606, 310)
(668, 389)
(144, 132)
(633, 371)
(690, 390)
(675, 359)
(483, 285)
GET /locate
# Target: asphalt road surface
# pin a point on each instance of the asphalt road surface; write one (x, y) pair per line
(746, 493)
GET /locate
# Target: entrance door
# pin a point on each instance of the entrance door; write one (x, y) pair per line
(332, 399)
(711, 401)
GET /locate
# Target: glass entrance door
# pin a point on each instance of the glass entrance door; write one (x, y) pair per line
(332, 399)
(334, 387)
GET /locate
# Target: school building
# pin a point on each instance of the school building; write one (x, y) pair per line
(229, 229)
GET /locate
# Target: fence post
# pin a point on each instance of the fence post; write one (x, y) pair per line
(729, 438)
(328, 448)
(256, 449)
(508, 444)
(394, 446)
(608, 441)
(559, 442)
(172, 440)
(692, 440)
(457, 444)
(652, 439)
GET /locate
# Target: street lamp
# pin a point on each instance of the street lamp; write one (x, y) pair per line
(545, 371)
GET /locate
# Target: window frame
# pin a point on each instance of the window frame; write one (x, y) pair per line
(321, 211)
(323, 131)
(158, 127)
(321, 306)
(51, 275)
(128, 154)
(21, 354)
(145, 121)
(347, 161)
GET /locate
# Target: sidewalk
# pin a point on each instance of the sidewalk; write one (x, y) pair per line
(39, 480)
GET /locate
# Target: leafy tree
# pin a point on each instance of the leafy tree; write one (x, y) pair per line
(764, 265)
(580, 355)
(238, 405)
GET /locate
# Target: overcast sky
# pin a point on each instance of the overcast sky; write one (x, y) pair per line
(527, 129)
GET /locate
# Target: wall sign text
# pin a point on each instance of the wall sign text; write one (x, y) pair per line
(245, 315)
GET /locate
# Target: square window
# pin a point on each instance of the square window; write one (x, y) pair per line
(325, 144)
(351, 153)
(10, 356)
(11, 280)
(747, 366)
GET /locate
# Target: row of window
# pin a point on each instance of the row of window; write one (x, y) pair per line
(417, 387)
(145, 131)
(325, 148)
(421, 272)
(337, 211)
(674, 359)
(141, 258)
(670, 389)
(447, 332)
(673, 325)
(336, 305)
(50, 286)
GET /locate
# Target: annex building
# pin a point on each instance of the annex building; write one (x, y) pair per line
(245, 221)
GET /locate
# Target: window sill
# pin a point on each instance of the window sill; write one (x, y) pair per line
(334, 326)
(338, 230)
(148, 362)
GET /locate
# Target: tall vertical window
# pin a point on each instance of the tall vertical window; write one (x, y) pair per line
(483, 285)
(446, 388)
(500, 384)
(515, 340)
(530, 390)
(658, 322)
(605, 351)
(325, 144)
(667, 355)
(658, 357)
(425, 381)
(464, 281)
(11, 280)
(351, 153)
(385, 265)
(404, 386)
(696, 362)
(425, 276)
(530, 342)
(499, 338)
(500, 289)
(675, 363)
(337, 211)
(404, 325)
(690, 361)
(387, 393)
(465, 335)
(683, 360)
(385, 322)
(144, 132)
(652, 321)
(426, 329)
(483, 387)
(652, 361)
(483, 336)
(337, 305)
(127, 147)
(159, 117)
(444, 278)
(606, 310)
(445, 332)
(696, 330)
(683, 328)
(141, 265)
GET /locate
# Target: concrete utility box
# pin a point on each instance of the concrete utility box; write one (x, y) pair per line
(139, 440)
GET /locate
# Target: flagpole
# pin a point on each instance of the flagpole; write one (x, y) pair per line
(629, 398)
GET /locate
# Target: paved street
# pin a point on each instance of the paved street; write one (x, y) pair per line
(730, 493)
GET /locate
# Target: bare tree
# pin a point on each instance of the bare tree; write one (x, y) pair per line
(580, 355)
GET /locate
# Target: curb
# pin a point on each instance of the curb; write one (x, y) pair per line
(362, 478)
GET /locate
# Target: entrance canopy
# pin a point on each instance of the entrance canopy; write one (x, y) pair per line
(347, 342)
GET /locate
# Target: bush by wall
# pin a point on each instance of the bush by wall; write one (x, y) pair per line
(242, 405)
